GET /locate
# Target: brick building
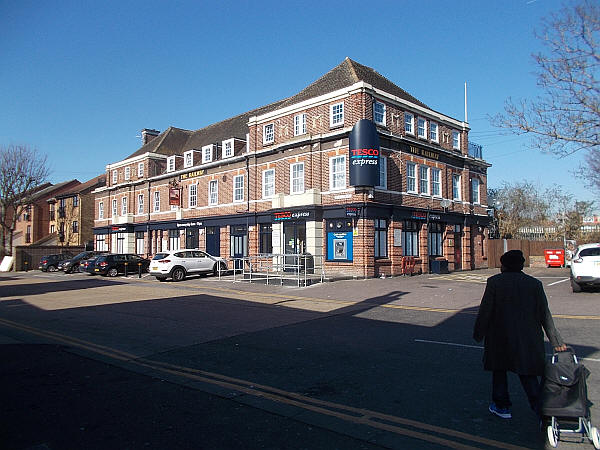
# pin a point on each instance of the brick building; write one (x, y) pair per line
(276, 180)
(33, 224)
(71, 213)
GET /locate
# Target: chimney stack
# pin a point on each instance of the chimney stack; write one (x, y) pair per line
(148, 135)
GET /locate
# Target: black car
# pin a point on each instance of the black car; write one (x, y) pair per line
(49, 263)
(88, 265)
(114, 264)
(73, 264)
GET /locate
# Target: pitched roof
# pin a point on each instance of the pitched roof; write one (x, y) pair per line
(175, 140)
(87, 186)
(54, 187)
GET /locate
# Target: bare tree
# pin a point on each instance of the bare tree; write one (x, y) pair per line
(566, 117)
(22, 170)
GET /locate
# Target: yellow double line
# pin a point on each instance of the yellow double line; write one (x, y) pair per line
(359, 416)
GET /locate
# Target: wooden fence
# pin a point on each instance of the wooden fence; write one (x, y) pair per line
(496, 247)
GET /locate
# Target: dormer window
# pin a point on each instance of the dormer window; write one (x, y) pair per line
(171, 164)
(228, 148)
(188, 159)
(207, 153)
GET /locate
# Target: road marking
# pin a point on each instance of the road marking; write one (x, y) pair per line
(421, 431)
(560, 281)
(479, 347)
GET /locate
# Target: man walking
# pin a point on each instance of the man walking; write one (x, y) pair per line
(512, 314)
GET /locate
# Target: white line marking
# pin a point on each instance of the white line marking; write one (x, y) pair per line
(556, 282)
(454, 344)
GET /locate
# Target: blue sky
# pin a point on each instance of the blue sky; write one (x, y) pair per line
(80, 79)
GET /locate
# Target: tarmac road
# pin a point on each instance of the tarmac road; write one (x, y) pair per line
(91, 362)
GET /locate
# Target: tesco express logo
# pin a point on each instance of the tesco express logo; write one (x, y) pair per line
(362, 156)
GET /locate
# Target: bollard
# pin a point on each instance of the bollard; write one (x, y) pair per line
(26, 266)
(139, 270)
(126, 268)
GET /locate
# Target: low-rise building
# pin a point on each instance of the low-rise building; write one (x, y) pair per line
(279, 179)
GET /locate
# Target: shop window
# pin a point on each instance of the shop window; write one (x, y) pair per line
(410, 238)
(139, 242)
(120, 243)
(380, 238)
(435, 238)
(174, 241)
(101, 244)
(266, 238)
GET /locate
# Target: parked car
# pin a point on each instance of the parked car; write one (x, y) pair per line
(88, 265)
(116, 263)
(177, 264)
(585, 267)
(72, 265)
(49, 263)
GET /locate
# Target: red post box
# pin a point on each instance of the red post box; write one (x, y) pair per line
(555, 258)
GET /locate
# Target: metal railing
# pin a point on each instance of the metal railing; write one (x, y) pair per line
(300, 269)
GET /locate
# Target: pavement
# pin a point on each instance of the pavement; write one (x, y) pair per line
(91, 362)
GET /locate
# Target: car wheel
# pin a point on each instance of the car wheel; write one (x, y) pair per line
(178, 274)
(112, 272)
(52, 269)
(576, 287)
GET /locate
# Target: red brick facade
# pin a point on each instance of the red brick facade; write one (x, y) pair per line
(248, 194)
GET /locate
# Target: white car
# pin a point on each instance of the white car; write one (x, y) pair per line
(585, 267)
(177, 264)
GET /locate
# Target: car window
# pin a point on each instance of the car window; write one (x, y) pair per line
(202, 254)
(120, 258)
(179, 254)
(590, 252)
(160, 256)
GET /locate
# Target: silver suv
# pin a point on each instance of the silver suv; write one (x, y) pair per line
(177, 264)
(585, 267)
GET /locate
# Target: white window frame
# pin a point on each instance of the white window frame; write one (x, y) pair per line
(334, 177)
(300, 124)
(424, 182)
(269, 133)
(213, 192)
(475, 193)
(141, 170)
(295, 179)
(171, 164)
(123, 206)
(434, 134)
(140, 203)
(127, 173)
(188, 159)
(193, 195)
(156, 201)
(114, 207)
(456, 184)
(409, 123)
(228, 148)
(456, 140)
(336, 115)
(238, 191)
(377, 113)
(411, 177)
(207, 153)
(422, 131)
(382, 172)
(271, 185)
(115, 177)
(101, 210)
(436, 185)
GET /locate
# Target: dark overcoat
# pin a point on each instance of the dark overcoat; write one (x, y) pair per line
(512, 314)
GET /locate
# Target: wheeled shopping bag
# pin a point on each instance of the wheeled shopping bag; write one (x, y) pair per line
(565, 401)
